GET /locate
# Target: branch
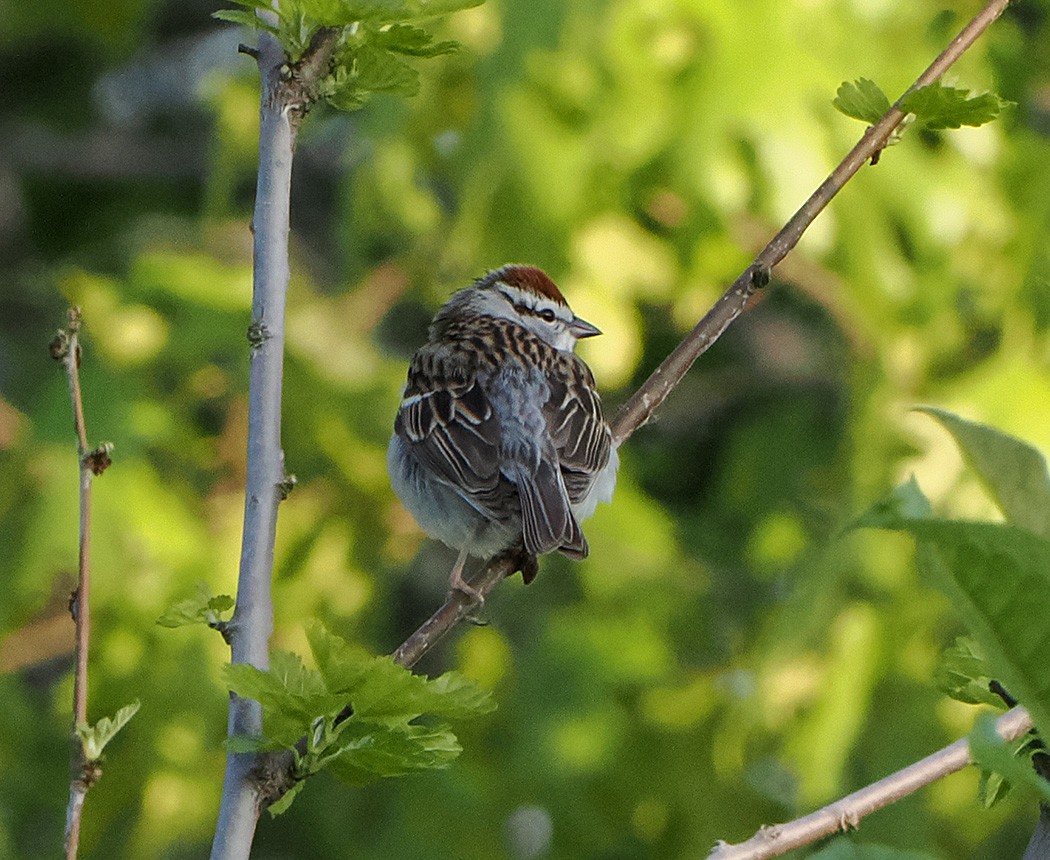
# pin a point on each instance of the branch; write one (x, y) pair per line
(250, 627)
(65, 347)
(648, 398)
(287, 91)
(846, 813)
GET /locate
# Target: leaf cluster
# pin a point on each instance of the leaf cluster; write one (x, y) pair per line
(935, 106)
(374, 38)
(379, 737)
(998, 577)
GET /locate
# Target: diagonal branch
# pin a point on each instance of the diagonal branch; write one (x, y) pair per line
(845, 814)
(647, 399)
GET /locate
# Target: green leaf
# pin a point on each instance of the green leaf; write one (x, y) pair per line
(246, 18)
(845, 849)
(862, 99)
(906, 502)
(963, 675)
(379, 71)
(379, 738)
(939, 106)
(380, 689)
(413, 41)
(340, 13)
(94, 738)
(1013, 471)
(992, 787)
(282, 803)
(998, 577)
(1013, 762)
(204, 608)
(290, 694)
(371, 750)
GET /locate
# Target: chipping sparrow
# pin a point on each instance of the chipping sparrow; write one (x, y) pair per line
(500, 442)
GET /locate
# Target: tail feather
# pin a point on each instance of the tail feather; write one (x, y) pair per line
(548, 523)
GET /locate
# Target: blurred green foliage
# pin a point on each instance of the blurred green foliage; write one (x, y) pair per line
(725, 657)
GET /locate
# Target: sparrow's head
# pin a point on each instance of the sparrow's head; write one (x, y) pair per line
(527, 296)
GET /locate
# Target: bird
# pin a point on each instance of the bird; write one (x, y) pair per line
(500, 443)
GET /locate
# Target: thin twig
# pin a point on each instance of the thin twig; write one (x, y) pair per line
(66, 348)
(846, 813)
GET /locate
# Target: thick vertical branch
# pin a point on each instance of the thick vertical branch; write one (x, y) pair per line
(252, 623)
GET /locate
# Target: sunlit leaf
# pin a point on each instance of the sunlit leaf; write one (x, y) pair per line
(846, 849)
(1011, 760)
(940, 106)
(997, 576)
(1014, 472)
(94, 738)
(861, 99)
(203, 608)
(963, 675)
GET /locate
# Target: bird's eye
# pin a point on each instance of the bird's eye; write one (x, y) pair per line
(547, 315)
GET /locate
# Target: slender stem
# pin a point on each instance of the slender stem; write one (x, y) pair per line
(846, 813)
(647, 399)
(82, 776)
(252, 623)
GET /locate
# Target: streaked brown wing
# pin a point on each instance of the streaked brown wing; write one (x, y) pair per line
(453, 432)
(576, 424)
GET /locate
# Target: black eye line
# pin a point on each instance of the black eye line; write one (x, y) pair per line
(547, 315)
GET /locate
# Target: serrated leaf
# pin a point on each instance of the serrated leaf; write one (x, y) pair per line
(939, 106)
(339, 13)
(992, 753)
(245, 18)
(379, 738)
(1013, 471)
(992, 787)
(380, 689)
(282, 803)
(291, 695)
(861, 99)
(413, 41)
(998, 577)
(204, 608)
(372, 750)
(845, 849)
(262, 5)
(94, 738)
(251, 744)
(379, 71)
(963, 675)
(905, 502)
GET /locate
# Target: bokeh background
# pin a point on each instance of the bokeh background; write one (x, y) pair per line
(727, 656)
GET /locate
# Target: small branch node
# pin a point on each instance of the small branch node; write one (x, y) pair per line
(59, 345)
(249, 50)
(98, 460)
(760, 275)
(223, 627)
(285, 487)
(258, 334)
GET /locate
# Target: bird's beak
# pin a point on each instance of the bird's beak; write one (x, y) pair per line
(582, 328)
